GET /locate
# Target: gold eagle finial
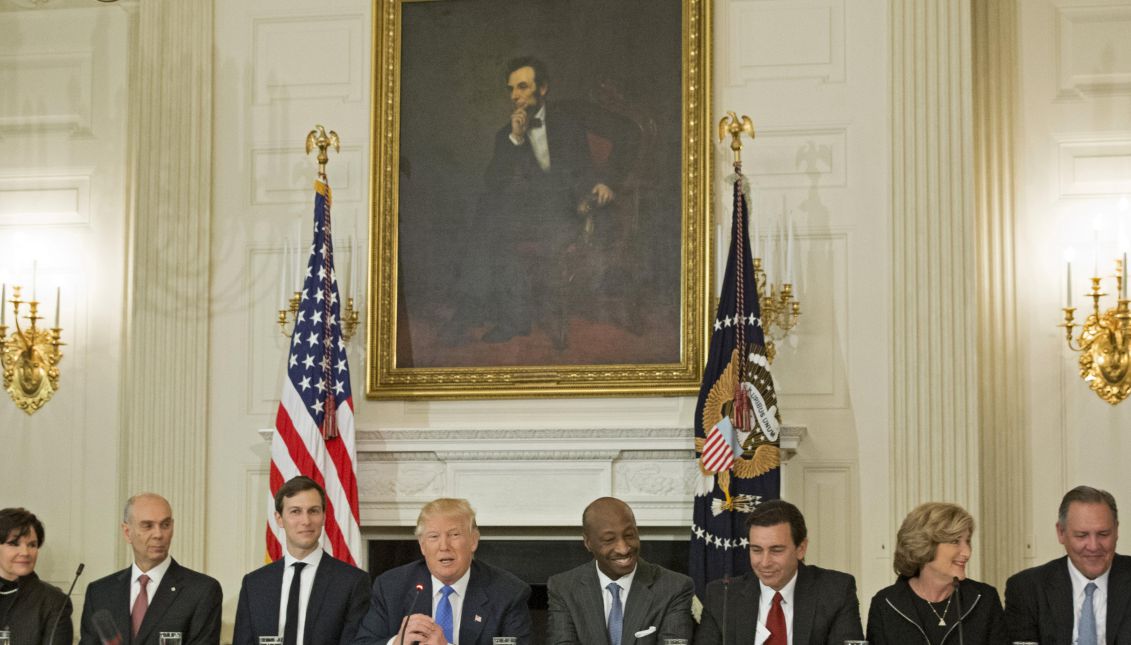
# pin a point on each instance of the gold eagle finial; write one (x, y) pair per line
(318, 137)
(735, 126)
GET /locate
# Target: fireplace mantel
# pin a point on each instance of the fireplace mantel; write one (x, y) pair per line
(539, 477)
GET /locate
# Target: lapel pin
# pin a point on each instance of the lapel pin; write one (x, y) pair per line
(172, 588)
(478, 618)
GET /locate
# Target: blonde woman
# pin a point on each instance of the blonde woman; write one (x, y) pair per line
(932, 600)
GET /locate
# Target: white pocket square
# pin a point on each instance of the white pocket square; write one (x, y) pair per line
(644, 632)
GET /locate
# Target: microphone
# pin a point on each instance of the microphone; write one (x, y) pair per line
(59, 616)
(415, 597)
(107, 631)
(958, 602)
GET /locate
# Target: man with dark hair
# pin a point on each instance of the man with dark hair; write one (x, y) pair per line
(1084, 596)
(155, 594)
(307, 596)
(619, 597)
(783, 601)
(540, 186)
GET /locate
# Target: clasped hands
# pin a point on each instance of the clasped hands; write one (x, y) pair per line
(421, 629)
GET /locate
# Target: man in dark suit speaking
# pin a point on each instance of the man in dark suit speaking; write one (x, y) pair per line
(1083, 597)
(446, 598)
(618, 599)
(155, 594)
(784, 600)
(307, 596)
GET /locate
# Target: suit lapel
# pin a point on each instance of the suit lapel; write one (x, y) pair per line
(471, 615)
(742, 609)
(271, 594)
(317, 595)
(1058, 586)
(804, 605)
(1118, 595)
(120, 604)
(639, 600)
(162, 600)
(591, 597)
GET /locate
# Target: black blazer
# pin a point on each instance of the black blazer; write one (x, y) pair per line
(1038, 603)
(186, 601)
(826, 610)
(495, 604)
(659, 600)
(35, 610)
(337, 603)
(893, 620)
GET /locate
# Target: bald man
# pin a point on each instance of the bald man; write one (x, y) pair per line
(155, 594)
(618, 598)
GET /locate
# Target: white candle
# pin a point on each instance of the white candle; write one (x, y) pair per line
(789, 254)
(771, 244)
(1123, 278)
(58, 290)
(757, 236)
(299, 273)
(1068, 284)
(284, 271)
(347, 288)
(34, 273)
(3, 302)
(354, 250)
(784, 250)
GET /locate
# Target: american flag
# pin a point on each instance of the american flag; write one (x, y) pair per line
(314, 430)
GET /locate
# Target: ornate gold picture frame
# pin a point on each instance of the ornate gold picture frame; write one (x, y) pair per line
(576, 268)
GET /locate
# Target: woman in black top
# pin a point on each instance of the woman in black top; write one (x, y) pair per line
(29, 607)
(932, 600)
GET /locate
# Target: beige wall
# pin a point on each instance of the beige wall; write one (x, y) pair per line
(815, 75)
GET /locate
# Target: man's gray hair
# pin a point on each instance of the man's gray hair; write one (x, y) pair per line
(1086, 495)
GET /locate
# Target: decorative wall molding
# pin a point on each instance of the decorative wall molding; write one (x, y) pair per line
(811, 157)
(45, 200)
(282, 175)
(786, 40)
(1094, 164)
(54, 92)
(286, 68)
(1093, 53)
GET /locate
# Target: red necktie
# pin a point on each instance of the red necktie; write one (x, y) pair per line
(140, 605)
(775, 622)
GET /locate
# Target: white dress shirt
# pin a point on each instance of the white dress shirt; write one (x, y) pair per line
(456, 600)
(766, 600)
(1099, 602)
(538, 142)
(625, 583)
(305, 582)
(155, 575)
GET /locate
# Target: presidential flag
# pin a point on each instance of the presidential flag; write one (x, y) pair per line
(736, 420)
(314, 427)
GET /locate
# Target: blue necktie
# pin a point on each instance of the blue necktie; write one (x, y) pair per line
(444, 613)
(616, 615)
(1087, 632)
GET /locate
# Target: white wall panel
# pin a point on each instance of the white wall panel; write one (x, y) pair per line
(1093, 51)
(775, 39)
(1099, 164)
(309, 57)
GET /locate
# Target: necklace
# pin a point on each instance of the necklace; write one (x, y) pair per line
(942, 616)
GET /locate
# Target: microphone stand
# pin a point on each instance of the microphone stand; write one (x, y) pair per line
(59, 616)
(412, 605)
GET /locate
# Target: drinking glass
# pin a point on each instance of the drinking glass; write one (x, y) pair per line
(270, 640)
(5, 637)
(675, 641)
(169, 638)
(504, 640)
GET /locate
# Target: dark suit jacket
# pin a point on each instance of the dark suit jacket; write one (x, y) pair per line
(658, 598)
(496, 605)
(1038, 603)
(186, 601)
(34, 612)
(826, 610)
(338, 601)
(893, 619)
